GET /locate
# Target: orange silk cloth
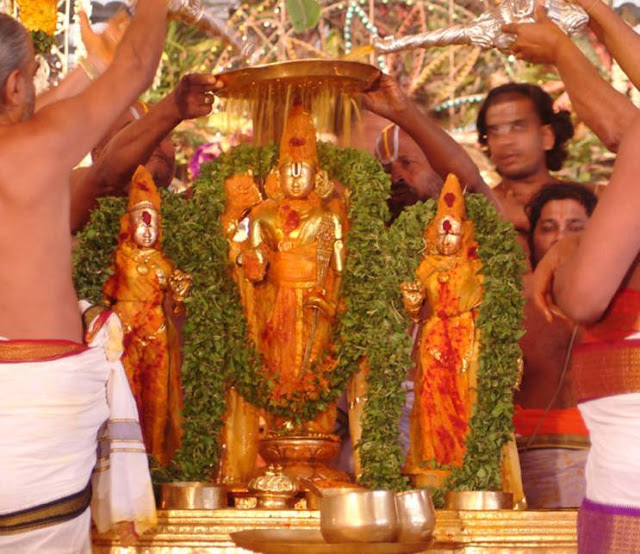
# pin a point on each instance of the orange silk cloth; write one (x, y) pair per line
(604, 363)
(562, 428)
(151, 350)
(443, 399)
(286, 332)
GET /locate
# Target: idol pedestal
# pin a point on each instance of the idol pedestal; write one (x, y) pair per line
(207, 531)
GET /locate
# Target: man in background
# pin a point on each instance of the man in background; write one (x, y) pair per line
(552, 439)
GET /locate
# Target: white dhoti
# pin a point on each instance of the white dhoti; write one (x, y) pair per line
(52, 414)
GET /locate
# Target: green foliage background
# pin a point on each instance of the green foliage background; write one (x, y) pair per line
(374, 325)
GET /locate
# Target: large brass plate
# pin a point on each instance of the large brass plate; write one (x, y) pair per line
(310, 541)
(311, 74)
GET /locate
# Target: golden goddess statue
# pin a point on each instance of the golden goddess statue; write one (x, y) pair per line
(143, 279)
(293, 262)
(450, 284)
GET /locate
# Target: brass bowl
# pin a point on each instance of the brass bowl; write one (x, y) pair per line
(192, 496)
(310, 74)
(368, 516)
(416, 515)
(478, 500)
(314, 500)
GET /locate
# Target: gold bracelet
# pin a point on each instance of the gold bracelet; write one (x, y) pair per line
(89, 68)
(588, 10)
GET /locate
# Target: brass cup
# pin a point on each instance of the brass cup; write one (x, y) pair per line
(478, 500)
(368, 516)
(416, 515)
(192, 496)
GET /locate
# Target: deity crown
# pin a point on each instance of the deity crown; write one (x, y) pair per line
(298, 142)
(451, 202)
(143, 192)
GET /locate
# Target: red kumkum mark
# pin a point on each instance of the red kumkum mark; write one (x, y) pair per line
(446, 225)
(292, 221)
(146, 217)
(449, 198)
(297, 141)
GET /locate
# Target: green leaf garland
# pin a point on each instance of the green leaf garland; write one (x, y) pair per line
(499, 322)
(218, 354)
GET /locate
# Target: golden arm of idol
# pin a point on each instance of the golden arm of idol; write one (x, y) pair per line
(413, 296)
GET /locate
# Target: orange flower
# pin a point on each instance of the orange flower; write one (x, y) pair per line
(39, 15)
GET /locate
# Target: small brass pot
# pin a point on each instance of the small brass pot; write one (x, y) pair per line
(416, 515)
(192, 496)
(368, 516)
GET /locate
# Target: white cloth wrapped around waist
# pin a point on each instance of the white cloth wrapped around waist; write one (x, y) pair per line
(51, 415)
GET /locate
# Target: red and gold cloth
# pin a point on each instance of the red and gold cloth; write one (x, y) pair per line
(563, 428)
(607, 363)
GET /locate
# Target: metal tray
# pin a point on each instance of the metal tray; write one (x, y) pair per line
(310, 74)
(310, 541)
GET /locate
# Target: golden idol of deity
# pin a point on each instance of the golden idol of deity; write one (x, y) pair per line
(450, 284)
(295, 259)
(145, 282)
(287, 245)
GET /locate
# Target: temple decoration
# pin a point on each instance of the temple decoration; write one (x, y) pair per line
(40, 17)
(145, 283)
(486, 31)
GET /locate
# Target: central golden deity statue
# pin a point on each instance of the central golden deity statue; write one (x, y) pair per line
(450, 285)
(294, 260)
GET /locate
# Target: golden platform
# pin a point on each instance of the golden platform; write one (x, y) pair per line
(504, 531)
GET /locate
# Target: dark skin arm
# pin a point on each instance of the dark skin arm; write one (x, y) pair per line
(132, 146)
(605, 110)
(445, 155)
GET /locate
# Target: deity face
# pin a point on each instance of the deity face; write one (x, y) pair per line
(145, 225)
(449, 236)
(517, 139)
(297, 179)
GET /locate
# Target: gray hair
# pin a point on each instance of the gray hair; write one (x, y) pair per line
(14, 46)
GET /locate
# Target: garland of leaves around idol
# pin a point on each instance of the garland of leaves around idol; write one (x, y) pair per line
(499, 322)
(217, 352)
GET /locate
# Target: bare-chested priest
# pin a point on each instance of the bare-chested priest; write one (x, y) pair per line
(54, 399)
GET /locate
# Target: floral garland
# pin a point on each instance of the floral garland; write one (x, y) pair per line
(40, 17)
(499, 321)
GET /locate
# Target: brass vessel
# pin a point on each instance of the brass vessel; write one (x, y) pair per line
(368, 516)
(192, 496)
(303, 457)
(274, 490)
(310, 74)
(416, 515)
